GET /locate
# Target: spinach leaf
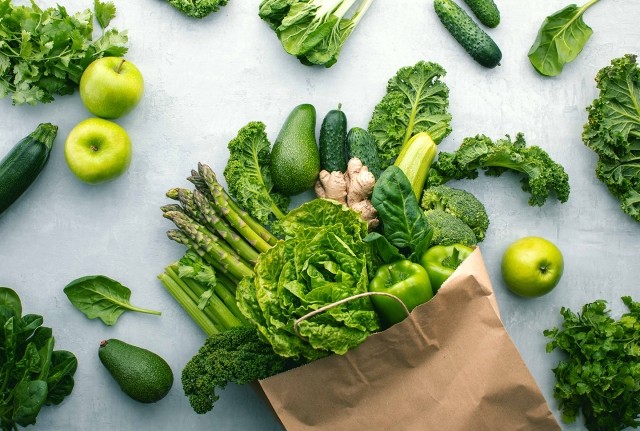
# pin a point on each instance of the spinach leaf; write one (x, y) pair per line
(101, 297)
(560, 39)
(10, 301)
(60, 379)
(28, 399)
(404, 224)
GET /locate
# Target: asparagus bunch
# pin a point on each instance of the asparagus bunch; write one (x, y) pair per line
(223, 243)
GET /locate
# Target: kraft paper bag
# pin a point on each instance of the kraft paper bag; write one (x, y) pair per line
(449, 366)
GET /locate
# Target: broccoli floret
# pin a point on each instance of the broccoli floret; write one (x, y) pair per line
(449, 229)
(237, 355)
(540, 174)
(459, 203)
(198, 8)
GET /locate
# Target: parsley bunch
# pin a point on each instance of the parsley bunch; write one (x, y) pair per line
(601, 375)
(44, 52)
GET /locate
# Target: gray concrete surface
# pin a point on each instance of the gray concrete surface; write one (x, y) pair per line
(206, 79)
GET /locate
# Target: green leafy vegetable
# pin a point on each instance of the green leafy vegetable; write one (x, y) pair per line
(313, 30)
(601, 376)
(248, 174)
(238, 356)
(560, 39)
(613, 131)
(322, 260)
(403, 221)
(32, 373)
(101, 297)
(198, 8)
(417, 100)
(43, 52)
(540, 174)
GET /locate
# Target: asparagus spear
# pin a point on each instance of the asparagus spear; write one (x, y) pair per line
(256, 234)
(208, 212)
(180, 237)
(211, 244)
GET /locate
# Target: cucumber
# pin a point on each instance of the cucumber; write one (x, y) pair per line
(468, 34)
(333, 141)
(486, 11)
(22, 165)
(360, 144)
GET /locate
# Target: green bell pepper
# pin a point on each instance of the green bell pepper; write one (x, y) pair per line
(441, 260)
(404, 279)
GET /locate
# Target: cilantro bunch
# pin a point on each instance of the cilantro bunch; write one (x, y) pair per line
(601, 375)
(44, 52)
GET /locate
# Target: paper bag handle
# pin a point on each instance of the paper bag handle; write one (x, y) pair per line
(324, 308)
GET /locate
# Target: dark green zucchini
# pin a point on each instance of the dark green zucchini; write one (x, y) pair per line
(486, 11)
(22, 165)
(468, 34)
(333, 141)
(360, 144)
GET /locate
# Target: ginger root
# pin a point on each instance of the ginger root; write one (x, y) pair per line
(352, 188)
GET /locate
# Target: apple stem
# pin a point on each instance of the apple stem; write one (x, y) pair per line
(120, 66)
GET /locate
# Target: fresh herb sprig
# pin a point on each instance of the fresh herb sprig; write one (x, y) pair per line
(43, 52)
(601, 375)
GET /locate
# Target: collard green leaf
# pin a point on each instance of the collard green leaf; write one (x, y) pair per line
(101, 297)
(560, 39)
(403, 221)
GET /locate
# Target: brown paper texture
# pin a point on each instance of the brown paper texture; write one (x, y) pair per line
(450, 366)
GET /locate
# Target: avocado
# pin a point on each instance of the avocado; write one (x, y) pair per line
(295, 158)
(141, 374)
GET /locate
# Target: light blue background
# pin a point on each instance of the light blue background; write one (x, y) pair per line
(206, 79)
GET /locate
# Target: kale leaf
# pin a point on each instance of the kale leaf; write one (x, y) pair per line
(601, 375)
(613, 131)
(44, 52)
(540, 174)
(417, 100)
(248, 174)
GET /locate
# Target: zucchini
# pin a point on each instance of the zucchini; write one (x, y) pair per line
(468, 34)
(360, 144)
(486, 11)
(21, 166)
(333, 141)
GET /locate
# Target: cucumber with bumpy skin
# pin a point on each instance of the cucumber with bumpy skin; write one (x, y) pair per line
(468, 34)
(333, 141)
(486, 11)
(22, 165)
(361, 144)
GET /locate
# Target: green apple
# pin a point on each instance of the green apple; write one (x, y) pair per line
(97, 150)
(111, 87)
(532, 266)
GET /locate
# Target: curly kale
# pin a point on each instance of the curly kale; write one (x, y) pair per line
(448, 229)
(248, 174)
(613, 131)
(459, 203)
(417, 100)
(198, 8)
(540, 174)
(237, 355)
